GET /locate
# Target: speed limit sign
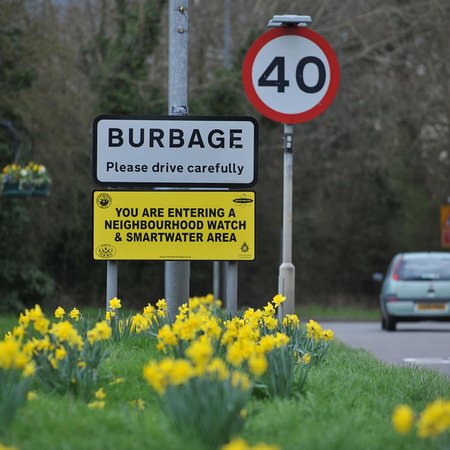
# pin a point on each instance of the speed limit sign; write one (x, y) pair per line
(290, 74)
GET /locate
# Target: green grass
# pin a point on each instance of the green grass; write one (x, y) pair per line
(319, 312)
(346, 404)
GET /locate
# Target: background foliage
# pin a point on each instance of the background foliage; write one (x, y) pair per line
(370, 173)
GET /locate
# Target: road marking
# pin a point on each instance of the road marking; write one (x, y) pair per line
(427, 360)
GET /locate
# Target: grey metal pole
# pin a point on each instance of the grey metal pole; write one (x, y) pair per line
(286, 277)
(112, 271)
(219, 281)
(223, 282)
(227, 35)
(216, 279)
(177, 273)
(232, 289)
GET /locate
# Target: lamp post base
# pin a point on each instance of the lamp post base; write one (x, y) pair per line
(286, 287)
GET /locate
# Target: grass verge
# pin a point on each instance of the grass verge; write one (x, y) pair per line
(327, 313)
(346, 404)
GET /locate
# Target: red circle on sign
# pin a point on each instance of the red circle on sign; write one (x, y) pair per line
(263, 107)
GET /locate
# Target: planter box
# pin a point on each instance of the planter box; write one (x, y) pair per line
(16, 190)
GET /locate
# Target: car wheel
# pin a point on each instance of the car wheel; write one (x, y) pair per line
(390, 323)
(383, 323)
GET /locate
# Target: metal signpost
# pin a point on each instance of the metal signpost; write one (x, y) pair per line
(177, 273)
(290, 75)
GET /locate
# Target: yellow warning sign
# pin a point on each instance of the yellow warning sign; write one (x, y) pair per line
(174, 225)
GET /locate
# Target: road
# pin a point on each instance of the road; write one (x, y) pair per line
(423, 344)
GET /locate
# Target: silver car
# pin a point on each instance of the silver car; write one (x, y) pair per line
(416, 287)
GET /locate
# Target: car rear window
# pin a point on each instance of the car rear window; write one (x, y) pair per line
(424, 269)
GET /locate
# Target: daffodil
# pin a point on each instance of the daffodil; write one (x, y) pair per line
(218, 369)
(291, 319)
(41, 325)
(267, 343)
(236, 444)
(59, 312)
(269, 310)
(281, 339)
(18, 332)
(327, 335)
(270, 322)
(139, 323)
(278, 300)
(29, 370)
(60, 353)
(434, 419)
(155, 377)
(402, 419)
(102, 331)
(181, 371)
(149, 312)
(65, 332)
(161, 304)
(75, 314)
(166, 337)
(234, 354)
(7, 447)
(314, 330)
(97, 404)
(115, 303)
(31, 395)
(306, 358)
(240, 380)
(36, 312)
(257, 365)
(200, 352)
(100, 394)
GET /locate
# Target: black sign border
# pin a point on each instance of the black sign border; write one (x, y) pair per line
(175, 118)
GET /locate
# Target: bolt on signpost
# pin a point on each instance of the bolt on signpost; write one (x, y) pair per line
(290, 75)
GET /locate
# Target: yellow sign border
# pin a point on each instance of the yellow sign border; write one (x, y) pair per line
(173, 225)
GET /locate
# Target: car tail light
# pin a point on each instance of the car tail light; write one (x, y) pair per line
(397, 266)
(391, 298)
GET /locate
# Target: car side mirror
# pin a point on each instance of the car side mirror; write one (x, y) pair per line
(378, 277)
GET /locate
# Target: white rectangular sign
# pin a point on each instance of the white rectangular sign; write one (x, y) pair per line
(175, 151)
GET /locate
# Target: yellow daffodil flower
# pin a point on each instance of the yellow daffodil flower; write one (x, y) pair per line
(97, 404)
(75, 314)
(402, 419)
(278, 300)
(59, 312)
(100, 394)
(115, 303)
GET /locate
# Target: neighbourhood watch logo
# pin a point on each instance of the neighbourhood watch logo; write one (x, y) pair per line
(105, 251)
(103, 200)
